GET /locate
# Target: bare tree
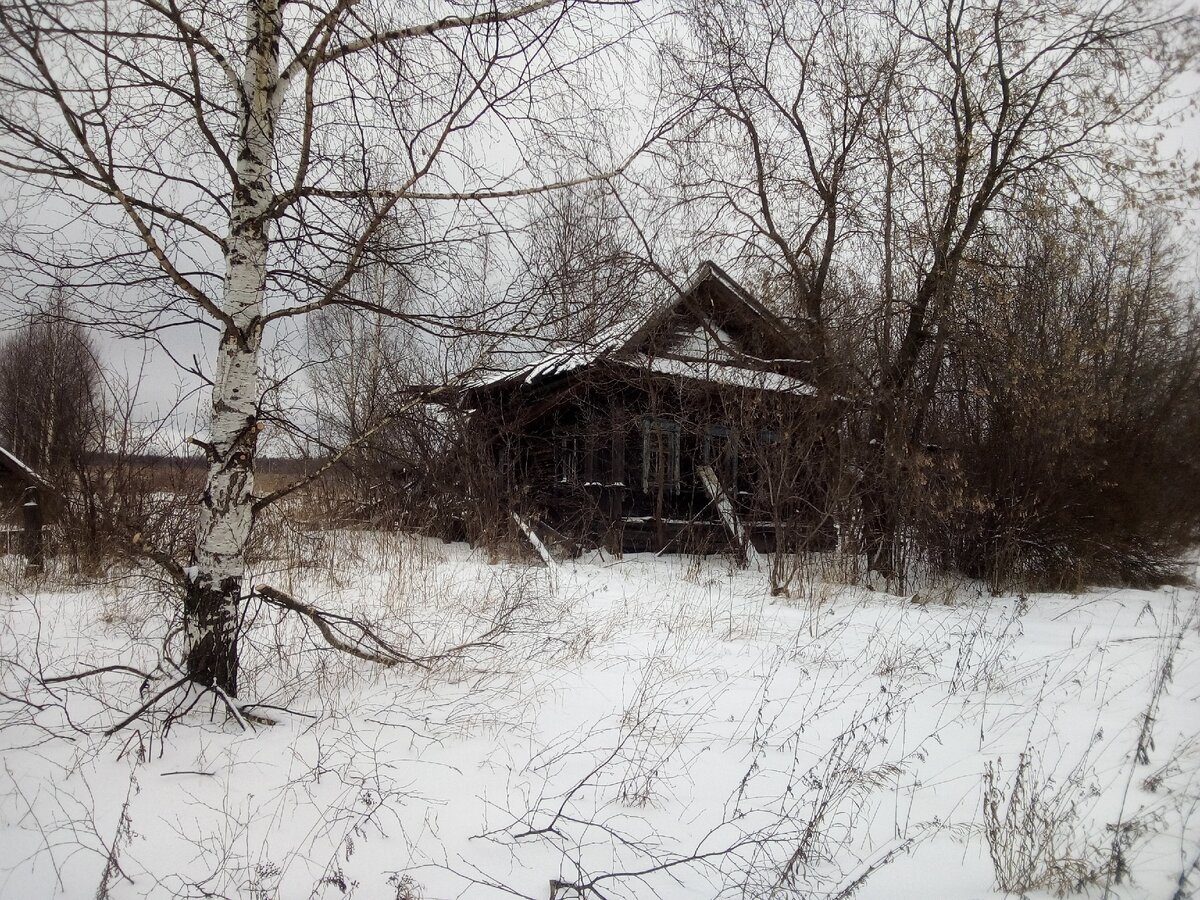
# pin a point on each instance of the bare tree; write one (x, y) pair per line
(233, 162)
(877, 143)
(785, 95)
(50, 392)
(585, 267)
(366, 374)
(1009, 105)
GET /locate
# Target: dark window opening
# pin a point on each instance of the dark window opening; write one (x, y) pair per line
(719, 450)
(566, 459)
(660, 456)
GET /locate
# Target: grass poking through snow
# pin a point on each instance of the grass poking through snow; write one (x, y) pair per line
(632, 728)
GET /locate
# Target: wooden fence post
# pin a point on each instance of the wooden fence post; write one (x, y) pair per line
(31, 539)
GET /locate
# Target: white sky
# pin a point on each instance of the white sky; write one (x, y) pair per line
(163, 383)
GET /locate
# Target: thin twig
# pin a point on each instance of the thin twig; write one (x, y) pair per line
(147, 705)
(59, 679)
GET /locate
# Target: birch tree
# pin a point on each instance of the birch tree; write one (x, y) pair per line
(231, 163)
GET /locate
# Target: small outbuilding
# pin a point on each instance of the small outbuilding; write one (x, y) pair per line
(21, 497)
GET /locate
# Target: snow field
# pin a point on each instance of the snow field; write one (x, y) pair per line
(640, 727)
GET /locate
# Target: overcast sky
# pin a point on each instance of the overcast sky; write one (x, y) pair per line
(164, 383)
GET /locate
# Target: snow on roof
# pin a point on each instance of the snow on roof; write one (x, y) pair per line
(565, 359)
(720, 373)
(15, 463)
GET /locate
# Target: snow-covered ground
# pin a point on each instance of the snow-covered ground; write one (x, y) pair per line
(644, 727)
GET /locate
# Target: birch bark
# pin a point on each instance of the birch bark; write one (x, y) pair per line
(226, 511)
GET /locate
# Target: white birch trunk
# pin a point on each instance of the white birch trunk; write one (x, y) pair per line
(226, 510)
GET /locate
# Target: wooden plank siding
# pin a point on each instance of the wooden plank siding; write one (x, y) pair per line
(602, 441)
(580, 460)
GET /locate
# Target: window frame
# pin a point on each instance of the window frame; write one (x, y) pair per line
(567, 457)
(662, 436)
(724, 466)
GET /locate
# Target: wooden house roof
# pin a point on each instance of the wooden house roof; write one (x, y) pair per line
(709, 329)
(12, 465)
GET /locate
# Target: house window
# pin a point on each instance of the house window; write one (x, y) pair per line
(660, 456)
(566, 459)
(513, 459)
(719, 451)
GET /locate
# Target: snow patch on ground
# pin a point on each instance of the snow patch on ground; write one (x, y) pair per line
(644, 726)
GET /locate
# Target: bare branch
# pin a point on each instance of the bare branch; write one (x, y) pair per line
(368, 645)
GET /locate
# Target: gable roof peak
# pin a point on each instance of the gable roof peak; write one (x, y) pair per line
(631, 334)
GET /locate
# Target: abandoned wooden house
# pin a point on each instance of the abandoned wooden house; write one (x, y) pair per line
(694, 428)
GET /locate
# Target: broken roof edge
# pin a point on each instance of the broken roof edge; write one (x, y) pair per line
(622, 335)
(22, 467)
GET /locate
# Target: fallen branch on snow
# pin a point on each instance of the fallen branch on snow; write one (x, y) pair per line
(367, 645)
